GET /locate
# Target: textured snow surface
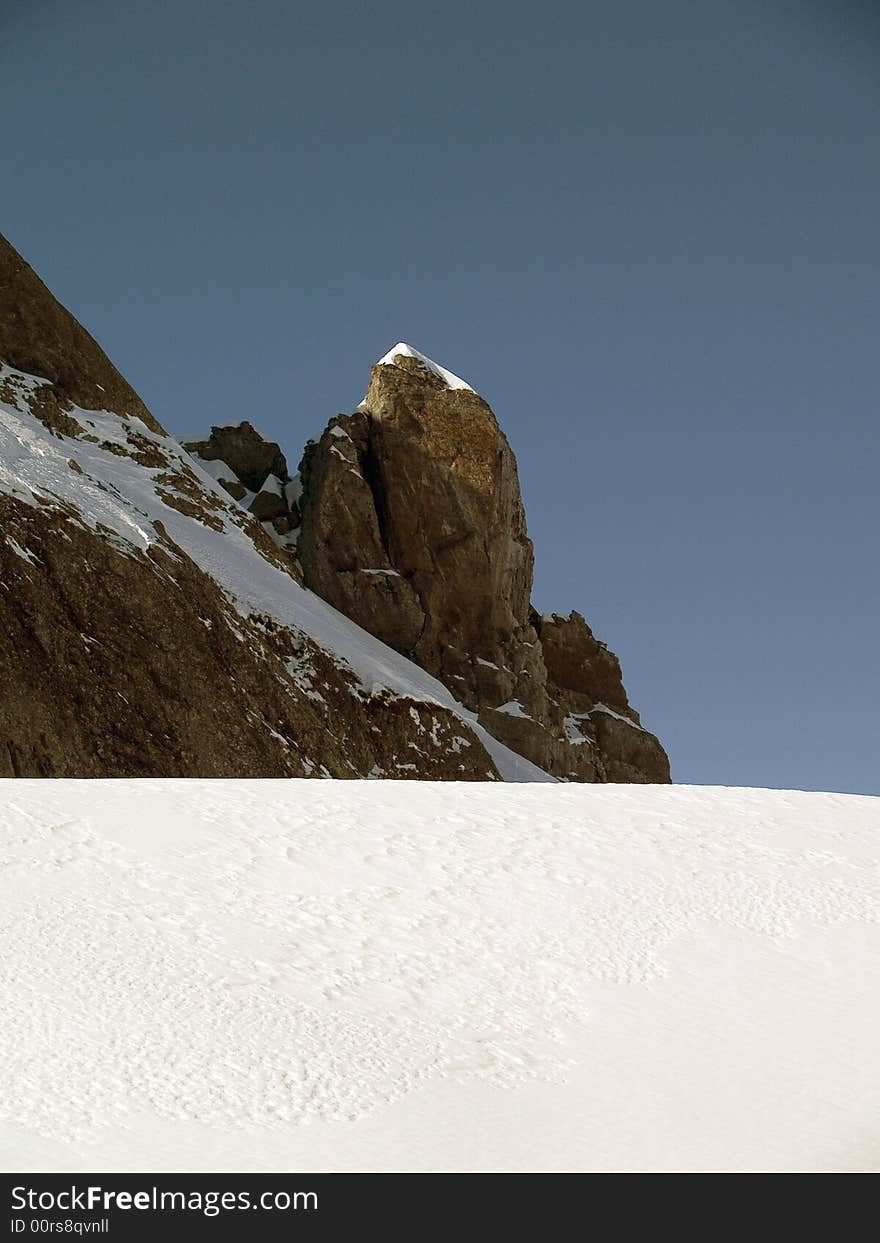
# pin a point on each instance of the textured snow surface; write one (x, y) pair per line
(383, 975)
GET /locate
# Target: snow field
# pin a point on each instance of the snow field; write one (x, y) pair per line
(271, 975)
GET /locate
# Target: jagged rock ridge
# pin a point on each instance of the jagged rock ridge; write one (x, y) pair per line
(154, 616)
(411, 522)
(260, 482)
(148, 625)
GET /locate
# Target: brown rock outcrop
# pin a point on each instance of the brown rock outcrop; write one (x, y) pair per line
(244, 450)
(341, 541)
(423, 487)
(413, 525)
(584, 680)
(259, 476)
(579, 664)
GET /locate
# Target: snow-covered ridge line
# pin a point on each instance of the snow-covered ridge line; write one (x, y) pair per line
(450, 379)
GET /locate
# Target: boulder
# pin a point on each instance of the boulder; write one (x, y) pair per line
(245, 451)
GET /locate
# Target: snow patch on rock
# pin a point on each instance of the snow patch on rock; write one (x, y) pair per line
(449, 378)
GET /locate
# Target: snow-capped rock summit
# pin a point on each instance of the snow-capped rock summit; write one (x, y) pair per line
(194, 609)
(402, 350)
(413, 525)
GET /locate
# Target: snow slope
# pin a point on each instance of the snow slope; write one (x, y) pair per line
(383, 975)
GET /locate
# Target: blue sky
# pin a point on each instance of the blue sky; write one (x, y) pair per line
(646, 232)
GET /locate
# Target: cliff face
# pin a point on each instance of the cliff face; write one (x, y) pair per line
(413, 525)
(198, 611)
(149, 624)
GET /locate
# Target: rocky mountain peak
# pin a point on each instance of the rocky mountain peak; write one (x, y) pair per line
(413, 525)
(152, 615)
(408, 518)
